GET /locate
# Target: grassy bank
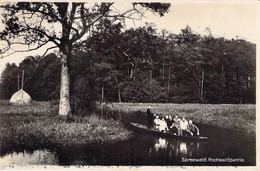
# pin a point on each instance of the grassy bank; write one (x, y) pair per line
(230, 116)
(27, 129)
(35, 108)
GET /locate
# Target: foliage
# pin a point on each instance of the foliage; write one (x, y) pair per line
(113, 64)
(141, 65)
(32, 25)
(9, 79)
(83, 85)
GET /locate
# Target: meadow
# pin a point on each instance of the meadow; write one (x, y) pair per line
(231, 116)
(39, 125)
(35, 108)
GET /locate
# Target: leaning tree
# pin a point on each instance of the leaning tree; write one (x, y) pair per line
(29, 26)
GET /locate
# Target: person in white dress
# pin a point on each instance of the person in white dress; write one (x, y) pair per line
(163, 125)
(183, 126)
(156, 122)
(160, 124)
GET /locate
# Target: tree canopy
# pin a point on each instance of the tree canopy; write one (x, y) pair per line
(146, 65)
(33, 25)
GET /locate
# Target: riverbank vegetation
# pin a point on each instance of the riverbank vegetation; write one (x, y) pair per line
(41, 129)
(230, 116)
(35, 108)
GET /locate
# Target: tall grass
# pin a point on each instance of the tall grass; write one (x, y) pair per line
(230, 116)
(38, 131)
(34, 108)
(39, 124)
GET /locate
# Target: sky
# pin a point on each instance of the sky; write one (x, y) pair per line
(227, 19)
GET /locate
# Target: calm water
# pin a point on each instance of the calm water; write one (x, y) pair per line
(146, 149)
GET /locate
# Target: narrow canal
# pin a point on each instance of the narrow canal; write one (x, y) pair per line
(224, 147)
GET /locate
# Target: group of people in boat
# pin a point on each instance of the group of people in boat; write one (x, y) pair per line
(172, 124)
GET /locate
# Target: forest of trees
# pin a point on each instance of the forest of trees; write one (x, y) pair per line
(143, 65)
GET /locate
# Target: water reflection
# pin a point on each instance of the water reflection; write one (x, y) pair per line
(183, 148)
(37, 157)
(175, 148)
(152, 149)
(143, 149)
(160, 143)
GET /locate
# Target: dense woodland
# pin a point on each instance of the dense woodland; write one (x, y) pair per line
(143, 65)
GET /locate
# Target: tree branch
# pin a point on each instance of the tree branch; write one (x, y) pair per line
(30, 10)
(53, 47)
(45, 34)
(29, 50)
(85, 26)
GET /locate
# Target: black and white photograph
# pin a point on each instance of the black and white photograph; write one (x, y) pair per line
(128, 83)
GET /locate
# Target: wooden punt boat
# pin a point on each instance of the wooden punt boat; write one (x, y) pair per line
(144, 128)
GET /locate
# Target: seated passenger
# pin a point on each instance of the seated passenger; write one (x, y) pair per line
(163, 125)
(184, 126)
(173, 129)
(169, 121)
(177, 121)
(170, 124)
(176, 118)
(156, 122)
(193, 129)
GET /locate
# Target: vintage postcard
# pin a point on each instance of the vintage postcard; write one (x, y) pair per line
(128, 84)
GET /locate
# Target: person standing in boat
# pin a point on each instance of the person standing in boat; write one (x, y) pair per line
(149, 117)
(193, 129)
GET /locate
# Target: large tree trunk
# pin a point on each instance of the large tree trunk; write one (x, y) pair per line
(64, 107)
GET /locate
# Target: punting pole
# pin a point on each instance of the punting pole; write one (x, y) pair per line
(18, 82)
(22, 83)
